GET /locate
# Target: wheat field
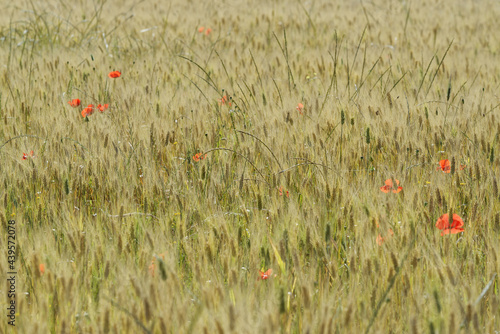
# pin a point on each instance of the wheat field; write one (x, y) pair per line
(230, 176)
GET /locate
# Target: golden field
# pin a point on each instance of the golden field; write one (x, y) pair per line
(246, 136)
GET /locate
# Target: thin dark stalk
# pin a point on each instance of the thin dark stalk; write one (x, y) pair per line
(308, 17)
(241, 155)
(257, 70)
(213, 85)
(380, 78)
(279, 92)
(329, 87)
(423, 78)
(364, 80)
(244, 95)
(255, 137)
(285, 55)
(389, 288)
(225, 69)
(437, 69)
(20, 136)
(249, 91)
(130, 314)
(395, 84)
(201, 91)
(357, 50)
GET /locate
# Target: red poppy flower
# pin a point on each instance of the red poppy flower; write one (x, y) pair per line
(381, 240)
(74, 103)
(114, 74)
(444, 224)
(207, 31)
(199, 156)
(102, 107)
(445, 166)
(265, 275)
(281, 192)
(152, 266)
(88, 111)
(390, 186)
(224, 100)
(25, 156)
(41, 267)
(299, 108)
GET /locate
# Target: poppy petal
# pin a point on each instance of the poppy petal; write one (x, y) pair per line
(385, 189)
(447, 228)
(442, 222)
(88, 111)
(101, 108)
(199, 156)
(224, 100)
(457, 221)
(152, 268)
(114, 74)
(452, 231)
(397, 190)
(445, 165)
(265, 275)
(74, 103)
